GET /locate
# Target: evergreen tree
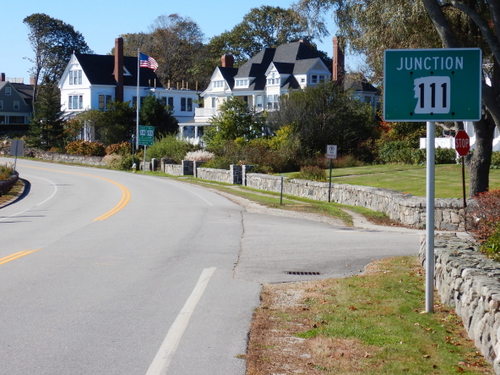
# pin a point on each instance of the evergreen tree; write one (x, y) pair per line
(47, 129)
(154, 113)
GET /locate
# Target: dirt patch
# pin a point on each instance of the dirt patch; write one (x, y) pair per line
(275, 349)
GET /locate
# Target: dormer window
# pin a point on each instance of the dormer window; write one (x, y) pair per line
(241, 83)
(273, 79)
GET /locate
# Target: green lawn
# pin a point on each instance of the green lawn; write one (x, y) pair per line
(410, 178)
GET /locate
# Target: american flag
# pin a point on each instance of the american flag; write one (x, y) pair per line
(146, 61)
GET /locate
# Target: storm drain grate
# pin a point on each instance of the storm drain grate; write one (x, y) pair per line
(303, 273)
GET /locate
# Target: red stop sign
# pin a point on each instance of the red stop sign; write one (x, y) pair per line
(462, 144)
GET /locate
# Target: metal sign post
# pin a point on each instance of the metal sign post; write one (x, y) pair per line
(429, 224)
(17, 149)
(331, 153)
(462, 147)
(432, 85)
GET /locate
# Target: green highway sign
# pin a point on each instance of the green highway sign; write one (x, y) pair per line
(146, 135)
(432, 84)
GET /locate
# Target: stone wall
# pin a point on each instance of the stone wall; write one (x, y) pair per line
(212, 174)
(403, 208)
(470, 282)
(66, 158)
(173, 169)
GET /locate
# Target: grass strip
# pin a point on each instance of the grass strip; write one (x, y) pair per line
(13, 193)
(367, 324)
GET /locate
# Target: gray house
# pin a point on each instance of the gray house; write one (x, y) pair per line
(15, 106)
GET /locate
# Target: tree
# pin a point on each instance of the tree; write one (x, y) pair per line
(53, 42)
(117, 124)
(177, 44)
(261, 27)
(235, 120)
(46, 128)
(154, 113)
(326, 114)
(427, 24)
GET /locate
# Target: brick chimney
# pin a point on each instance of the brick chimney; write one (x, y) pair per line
(338, 67)
(227, 61)
(118, 71)
(2, 77)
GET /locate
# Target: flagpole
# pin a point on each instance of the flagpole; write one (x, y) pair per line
(137, 105)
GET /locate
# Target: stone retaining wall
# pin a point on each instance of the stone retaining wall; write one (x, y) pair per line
(403, 208)
(212, 174)
(66, 158)
(173, 169)
(470, 282)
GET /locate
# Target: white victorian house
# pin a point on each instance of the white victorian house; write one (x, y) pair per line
(93, 81)
(268, 75)
(261, 80)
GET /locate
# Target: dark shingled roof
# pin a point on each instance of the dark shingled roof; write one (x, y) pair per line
(99, 70)
(290, 58)
(228, 74)
(356, 82)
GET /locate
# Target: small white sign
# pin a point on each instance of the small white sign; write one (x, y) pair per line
(331, 151)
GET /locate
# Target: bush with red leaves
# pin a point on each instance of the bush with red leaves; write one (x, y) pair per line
(483, 215)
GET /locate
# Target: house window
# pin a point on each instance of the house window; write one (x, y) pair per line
(273, 102)
(75, 77)
(314, 78)
(8, 91)
(75, 102)
(163, 101)
(259, 102)
(2, 120)
(16, 120)
(241, 82)
(1, 105)
(190, 105)
(170, 103)
(104, 102)
(134, 101)
(214, 102)
(217, 84)
(16, 105)
(322, 78)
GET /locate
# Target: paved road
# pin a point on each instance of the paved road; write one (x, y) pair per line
(104, 272)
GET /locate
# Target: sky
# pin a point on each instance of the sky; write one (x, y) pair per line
(101, 21)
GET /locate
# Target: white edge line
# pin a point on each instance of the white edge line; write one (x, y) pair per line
(52, 195)
(164, 356)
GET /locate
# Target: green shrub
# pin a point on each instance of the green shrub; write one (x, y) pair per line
(491, 247)
(127, 161)
(123, 148)
(85, 148)
(347, 161)
(312, 172)
(6, 171)
(169, 147)
(219, 162)
(445, 156)
(400, 152)
(495, 160)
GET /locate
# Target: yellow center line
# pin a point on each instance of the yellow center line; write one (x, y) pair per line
(19, 254)
(124, 200)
